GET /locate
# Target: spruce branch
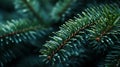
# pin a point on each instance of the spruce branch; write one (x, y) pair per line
(17, 38)
(60, 8)
(17, 26)
(69, 32)
(16, 31)
(86, 40)
(67, 40)
(33, 11)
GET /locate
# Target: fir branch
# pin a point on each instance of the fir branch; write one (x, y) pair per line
(60, 8)
(113, 56)
(82, 41)
(18, 31)
(33, 11)
(15, 27)
(68, 31)
(103, 38)
(67, 40)
(19, 45)
(107, 29)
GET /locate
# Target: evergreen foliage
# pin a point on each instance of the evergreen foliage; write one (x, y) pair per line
(85, 33)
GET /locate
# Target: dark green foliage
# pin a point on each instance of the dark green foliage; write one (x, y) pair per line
(86, 33)
(89, 31)
(14, 36)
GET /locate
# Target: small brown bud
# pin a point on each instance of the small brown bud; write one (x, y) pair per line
(97, 39)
